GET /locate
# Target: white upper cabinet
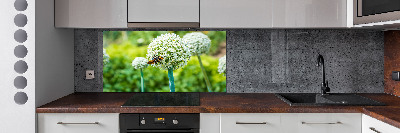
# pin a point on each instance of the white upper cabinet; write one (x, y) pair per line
(163, 11)
(90, 13)
(236, 13)
(309, 13)
(273, 13)
(209, 13)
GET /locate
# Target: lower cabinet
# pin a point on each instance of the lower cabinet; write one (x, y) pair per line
(250, 123)
(321, 123)
(210, 122)
(78, 123)
(281, 123)
(372, 125)
(227, 123)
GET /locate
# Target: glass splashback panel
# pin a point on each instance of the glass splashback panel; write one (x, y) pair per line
(164, 61)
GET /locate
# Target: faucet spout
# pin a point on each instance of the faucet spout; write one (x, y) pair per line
(324, 84)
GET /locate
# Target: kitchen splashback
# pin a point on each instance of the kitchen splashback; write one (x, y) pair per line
(265, 60)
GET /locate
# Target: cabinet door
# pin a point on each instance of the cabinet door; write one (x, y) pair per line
(209, 122)
(90, 13)
(163, 11)
(78, 123)
(236, 13)
(309, 13)
(372, 125)
(321, 123)
(250, 123)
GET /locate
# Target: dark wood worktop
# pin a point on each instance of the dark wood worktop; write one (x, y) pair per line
(387, 115)
(219, 103)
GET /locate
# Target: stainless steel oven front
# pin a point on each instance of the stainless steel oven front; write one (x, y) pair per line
(159, 123)
(373, 11)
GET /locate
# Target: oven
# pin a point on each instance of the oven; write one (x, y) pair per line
(374, 11)
(159, 123)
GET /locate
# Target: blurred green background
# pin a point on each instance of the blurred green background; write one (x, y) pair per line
(124, 46)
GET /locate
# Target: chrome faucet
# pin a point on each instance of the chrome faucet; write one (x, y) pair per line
(324, 85)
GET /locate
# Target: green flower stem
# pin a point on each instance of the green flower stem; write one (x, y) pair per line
(205, 74)
(171, 80)
(141, 79)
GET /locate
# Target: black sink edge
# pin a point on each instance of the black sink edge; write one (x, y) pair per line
(283, 99)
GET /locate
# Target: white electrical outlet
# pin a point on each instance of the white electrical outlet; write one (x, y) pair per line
(89, 74)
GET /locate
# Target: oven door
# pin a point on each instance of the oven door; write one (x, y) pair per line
(373, 11)
(164, 131)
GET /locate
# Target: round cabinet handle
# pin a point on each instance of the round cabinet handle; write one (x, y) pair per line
(373, 129)
(311, 123)
(251, 122)
(65, 123)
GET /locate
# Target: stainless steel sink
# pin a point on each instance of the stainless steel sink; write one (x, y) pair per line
(316, 99)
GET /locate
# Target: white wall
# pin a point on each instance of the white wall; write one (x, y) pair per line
(50, 61)
(16, 118)
(54, 56)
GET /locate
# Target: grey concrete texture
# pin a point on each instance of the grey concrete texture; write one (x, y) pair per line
(273, 61)
(88, 56)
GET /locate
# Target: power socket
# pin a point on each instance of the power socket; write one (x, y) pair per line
(89, 74)
(396, 75)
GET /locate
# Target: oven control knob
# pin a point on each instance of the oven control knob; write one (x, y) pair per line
(175, 122)
(143, 122)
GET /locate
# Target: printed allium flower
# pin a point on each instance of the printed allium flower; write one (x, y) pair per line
(106, 58)
(171, 48)
(139, 63)
(222, 65)
(197, 42)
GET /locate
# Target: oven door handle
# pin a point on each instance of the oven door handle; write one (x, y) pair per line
(162, 131)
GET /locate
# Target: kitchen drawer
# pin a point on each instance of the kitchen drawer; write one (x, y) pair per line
(250, 123)
(321, 123)
(372, 125)
(78, 123)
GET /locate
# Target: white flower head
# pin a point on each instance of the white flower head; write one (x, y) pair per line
(197, 42)
(139, 63)
(222, 65)
(106, 57)
(173, 50)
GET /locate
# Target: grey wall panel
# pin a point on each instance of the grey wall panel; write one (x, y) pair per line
(263, 60)
(88, 56)
(54, 56)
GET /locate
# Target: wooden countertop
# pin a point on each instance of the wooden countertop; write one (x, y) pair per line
(387, 115)
(93, 102)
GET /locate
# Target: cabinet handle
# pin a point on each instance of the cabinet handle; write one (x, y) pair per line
(322, 123)
(251, 122)
(77, 123)
(373, 129)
